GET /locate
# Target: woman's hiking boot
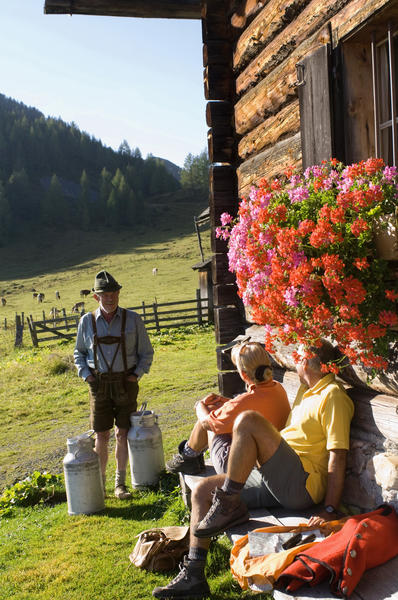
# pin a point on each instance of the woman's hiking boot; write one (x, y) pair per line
(189, 583)
(182, 463)
(227, 510)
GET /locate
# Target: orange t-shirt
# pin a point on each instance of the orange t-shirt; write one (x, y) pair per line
(268, 398)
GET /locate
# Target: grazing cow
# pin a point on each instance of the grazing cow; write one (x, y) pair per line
(54, 312)
(3, 302)
(154, 271)
(57, 295)
(40, 297)
(78, 307)
(35, 294)
(84, 293)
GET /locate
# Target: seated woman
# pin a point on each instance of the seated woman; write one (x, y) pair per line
(216, 414)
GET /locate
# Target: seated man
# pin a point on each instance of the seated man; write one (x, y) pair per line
(216, 414)
(297, 468)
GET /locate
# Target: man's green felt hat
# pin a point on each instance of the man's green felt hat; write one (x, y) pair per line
(104, 282)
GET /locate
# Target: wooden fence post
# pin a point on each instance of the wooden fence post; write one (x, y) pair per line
(23, 319)
(18, 331)
(143, 311)
(5, 323)
(66, 320)
(199, 307)
(44, 316)
(155, 312)
(32, 330)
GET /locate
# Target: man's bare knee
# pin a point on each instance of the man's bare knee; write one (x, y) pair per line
(251, 421)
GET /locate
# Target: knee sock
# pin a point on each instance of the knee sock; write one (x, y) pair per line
(232, 487)
(198, 554)
(120, 478)
(187, 451)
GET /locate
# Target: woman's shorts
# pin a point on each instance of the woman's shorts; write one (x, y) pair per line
(219, 452)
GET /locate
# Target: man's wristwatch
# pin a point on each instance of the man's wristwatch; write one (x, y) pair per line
(329, 509)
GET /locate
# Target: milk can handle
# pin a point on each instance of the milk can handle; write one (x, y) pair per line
(89, 434)
(143, 408)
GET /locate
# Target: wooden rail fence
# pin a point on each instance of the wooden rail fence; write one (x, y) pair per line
(155, 316)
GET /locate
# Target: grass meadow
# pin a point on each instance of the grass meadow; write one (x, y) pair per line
(44, 553)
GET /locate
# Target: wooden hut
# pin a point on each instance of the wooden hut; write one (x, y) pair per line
(290, 82)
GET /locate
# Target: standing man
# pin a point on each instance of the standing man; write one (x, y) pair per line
(112, 353)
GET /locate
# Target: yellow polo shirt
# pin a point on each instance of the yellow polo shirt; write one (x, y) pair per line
(319, 422)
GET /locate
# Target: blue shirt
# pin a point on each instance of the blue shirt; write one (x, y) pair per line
(139, 349)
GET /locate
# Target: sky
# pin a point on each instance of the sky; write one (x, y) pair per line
(116, 78)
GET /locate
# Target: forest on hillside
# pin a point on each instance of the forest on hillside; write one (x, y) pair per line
(54, 175)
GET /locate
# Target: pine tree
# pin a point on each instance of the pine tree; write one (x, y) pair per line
(5, 217)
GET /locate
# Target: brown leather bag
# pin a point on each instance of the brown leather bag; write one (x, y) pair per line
(160, 549)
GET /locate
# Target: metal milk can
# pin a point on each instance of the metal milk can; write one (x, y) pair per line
(83, 479)
(145, 447)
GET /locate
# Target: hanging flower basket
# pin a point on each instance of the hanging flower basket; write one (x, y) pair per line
(305, 259)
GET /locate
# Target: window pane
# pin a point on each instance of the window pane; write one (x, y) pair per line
(386, 145)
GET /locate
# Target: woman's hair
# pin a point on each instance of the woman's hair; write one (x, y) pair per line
(254, 360)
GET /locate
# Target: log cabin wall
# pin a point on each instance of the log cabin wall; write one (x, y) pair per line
(275, 36)
(262, 118)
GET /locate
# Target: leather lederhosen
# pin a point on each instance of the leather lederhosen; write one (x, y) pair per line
(111, 339)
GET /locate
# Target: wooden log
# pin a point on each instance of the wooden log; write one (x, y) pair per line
(269, 163)
(217, 52)
(224, 362)
(311, 19)
(217, 209)
(230, 384)
(228, 324)
(222, 180)
(215, 8)
(220, 114)
(217, 245)
(221, 148)
(159, 9)
(226, 294)
(274, 17)
(245, 12)
(218, 82)
(216, 28)
(278, 88)
(219, 270)
(273, 129)
(354, 15)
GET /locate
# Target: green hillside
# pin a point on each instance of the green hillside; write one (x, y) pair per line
(52, 175)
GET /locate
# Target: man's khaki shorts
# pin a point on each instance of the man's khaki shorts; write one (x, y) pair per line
(278, 482)
(112, 402)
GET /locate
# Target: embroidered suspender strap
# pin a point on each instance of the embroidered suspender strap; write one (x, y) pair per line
(95, 342)
(123, 340)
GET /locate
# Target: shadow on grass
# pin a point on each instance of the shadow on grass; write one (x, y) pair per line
(51, 251)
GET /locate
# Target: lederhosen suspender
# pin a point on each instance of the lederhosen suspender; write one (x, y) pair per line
(110, 339)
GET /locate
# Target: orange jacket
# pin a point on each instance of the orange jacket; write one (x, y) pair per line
(364, 542)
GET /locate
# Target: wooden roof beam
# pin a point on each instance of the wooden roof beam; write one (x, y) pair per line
(155, 9)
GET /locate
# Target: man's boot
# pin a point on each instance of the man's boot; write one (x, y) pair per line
(227, 510)
(189, 583)
(181, 463)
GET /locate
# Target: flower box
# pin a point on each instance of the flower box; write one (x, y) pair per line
(305, 259)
